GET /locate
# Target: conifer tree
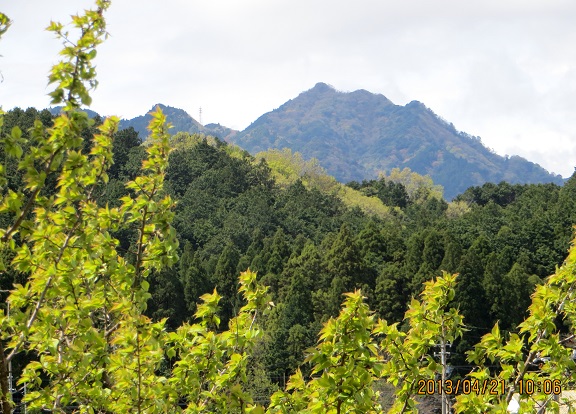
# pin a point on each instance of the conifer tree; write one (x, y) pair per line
(390, 292)
(226, 281)
(372, 243)
(496, 290)
(452, 256)
(470, 292)
(344, 267)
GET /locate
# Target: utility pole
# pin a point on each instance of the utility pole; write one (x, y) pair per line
(446, 408)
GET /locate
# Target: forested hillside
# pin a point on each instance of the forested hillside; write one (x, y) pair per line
(310, 246)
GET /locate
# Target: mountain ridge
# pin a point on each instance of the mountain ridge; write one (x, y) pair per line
(358, 135)
(180, 119)
(181, 122)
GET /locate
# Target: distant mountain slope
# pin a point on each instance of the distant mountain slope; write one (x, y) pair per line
(180, 120)
(358, 134)
(55, 110)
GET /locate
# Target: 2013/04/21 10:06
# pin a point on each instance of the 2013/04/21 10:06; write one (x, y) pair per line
(492, 387)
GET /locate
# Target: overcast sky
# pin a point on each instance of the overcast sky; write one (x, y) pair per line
(504, 70)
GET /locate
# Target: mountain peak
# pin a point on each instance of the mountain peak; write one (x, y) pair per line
(181, 122)
(415, 104)
(322, 87)
(171, 110)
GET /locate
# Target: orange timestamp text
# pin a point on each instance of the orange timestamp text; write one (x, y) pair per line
(491, 387)
(461, 386)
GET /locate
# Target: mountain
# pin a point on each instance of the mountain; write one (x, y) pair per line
(55, 110)
(181, 122)
(358, 134)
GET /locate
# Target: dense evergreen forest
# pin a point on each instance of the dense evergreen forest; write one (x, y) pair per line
(310, 247)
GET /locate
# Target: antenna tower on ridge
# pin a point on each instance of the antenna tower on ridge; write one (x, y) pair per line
(200, 116)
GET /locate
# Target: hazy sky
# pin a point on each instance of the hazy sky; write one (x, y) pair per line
(504, 70)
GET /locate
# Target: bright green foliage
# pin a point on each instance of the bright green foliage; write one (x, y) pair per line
(457, 209)
(551, 300)
(75, 75)
(288, 167)
(369, 205)
(79, 317)
(355, 349)
(212, 367)
(345, 363)
(80, 313)
(59, 313)
(419, 187)
(4, 23)
(430, 323)
(184, 140)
